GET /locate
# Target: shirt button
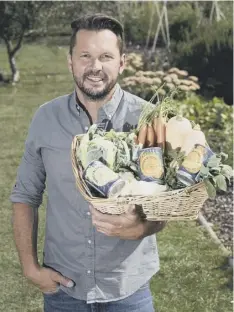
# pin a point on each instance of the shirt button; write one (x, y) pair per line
(86, 128)
(88, 272)
(89, 241)
(88, 213)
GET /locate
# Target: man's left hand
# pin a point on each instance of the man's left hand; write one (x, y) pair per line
(125, 226)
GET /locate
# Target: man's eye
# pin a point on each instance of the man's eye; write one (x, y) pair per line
(107, 56)
(85, 55)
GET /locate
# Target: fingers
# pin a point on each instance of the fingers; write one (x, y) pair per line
(114, 219)
(97, 217)
(124, 225)
(55, 276)
(108, 229)
(50, 290)
(132, 209)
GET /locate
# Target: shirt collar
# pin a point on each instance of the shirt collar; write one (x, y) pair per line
(110, 107)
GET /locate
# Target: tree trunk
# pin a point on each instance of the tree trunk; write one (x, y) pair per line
(11, 57)
(15, 72)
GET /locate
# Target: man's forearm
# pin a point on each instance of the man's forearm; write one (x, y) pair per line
(25, 224)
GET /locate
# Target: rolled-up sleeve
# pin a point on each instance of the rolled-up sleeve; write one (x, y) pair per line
(31, 176)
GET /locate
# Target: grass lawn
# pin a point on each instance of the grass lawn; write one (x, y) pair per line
(190, 278)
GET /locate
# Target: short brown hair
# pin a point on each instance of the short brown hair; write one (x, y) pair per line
(97, 22)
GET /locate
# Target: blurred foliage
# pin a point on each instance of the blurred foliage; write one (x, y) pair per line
(199, 45)
(204, 47)
(19, 18)
(216, 120)
(145, 83)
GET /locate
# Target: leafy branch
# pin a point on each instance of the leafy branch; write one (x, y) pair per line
(215, 174)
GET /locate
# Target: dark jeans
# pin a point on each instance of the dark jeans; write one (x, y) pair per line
(140, 301)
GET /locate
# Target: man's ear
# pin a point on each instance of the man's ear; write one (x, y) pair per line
(122, 63)
(69, 61)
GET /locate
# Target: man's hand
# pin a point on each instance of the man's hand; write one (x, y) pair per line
(48, 280)
(125, 226)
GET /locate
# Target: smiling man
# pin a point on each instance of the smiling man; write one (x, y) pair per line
(96, 59)
(96, 63)
(91, 261)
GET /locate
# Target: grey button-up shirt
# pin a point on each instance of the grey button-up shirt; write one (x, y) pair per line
(103, 268)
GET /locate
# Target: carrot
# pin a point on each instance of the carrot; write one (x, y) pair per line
(142, 135)
(150, 137)
(155, 129)
(161, 131)
(136, 140)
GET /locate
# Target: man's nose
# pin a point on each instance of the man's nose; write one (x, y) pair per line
(97, 65)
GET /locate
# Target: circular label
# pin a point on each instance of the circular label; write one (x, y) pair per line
(194, 160)
(151, 165)
(100, 175)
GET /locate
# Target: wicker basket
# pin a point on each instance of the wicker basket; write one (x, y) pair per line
(182, 204)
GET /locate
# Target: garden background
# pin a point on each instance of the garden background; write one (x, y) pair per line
(188, 45)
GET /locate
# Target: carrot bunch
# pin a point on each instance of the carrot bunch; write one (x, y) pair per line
(151, 130)
(152, 133)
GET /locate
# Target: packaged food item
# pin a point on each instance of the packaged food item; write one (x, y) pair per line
(103, 179)
(192, 163)
(150, 162)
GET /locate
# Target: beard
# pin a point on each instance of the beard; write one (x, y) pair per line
(92, 92)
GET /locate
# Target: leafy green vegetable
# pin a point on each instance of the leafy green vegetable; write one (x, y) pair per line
(214, 161)
(204, 170)
(101, 148)
(210, 188)
(227, 171)
(216, 173)
(220, 182)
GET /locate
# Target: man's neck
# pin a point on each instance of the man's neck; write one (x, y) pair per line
(93, 106)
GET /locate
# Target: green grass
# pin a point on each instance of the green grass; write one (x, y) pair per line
(189, 279)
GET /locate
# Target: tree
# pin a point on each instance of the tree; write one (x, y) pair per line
(19, 19)
(16, 18)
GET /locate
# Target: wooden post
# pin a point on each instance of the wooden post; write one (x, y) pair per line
(167, 27)
(157, 30)
(162, 28)
(215, 238)
(150, 27)
(215, 9)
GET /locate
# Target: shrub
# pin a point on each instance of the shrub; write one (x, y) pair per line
(145, 83)
(205, 49)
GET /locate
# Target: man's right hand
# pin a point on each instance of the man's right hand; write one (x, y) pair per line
(48, 280)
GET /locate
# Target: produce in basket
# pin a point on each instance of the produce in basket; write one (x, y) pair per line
(176, 129)
(164, 158)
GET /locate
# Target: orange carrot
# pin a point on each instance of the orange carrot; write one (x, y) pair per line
(161, 131)
(135, 139)
(150, 136)
(142, 135)
(155, 129)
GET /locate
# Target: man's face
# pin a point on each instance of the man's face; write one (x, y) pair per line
(96, 62)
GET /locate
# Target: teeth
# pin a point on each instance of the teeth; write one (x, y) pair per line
(94, 78)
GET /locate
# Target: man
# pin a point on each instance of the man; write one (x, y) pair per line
(92, 261)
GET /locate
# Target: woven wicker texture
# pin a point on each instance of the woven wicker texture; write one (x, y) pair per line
(182, 204)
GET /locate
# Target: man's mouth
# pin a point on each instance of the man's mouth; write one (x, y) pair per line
(94, 78)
